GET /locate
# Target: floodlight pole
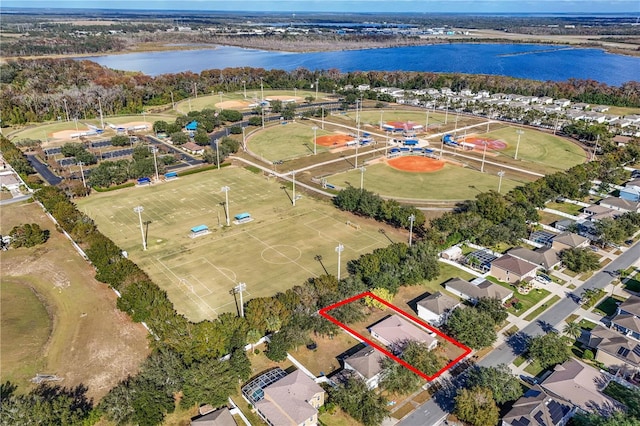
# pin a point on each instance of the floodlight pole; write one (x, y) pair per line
(173, 104)
(500, 175)
(139, 210)
(426, 124)
(226, 189)
(339, 250)
(484, 154)
(244, 139)
(293, 174)
(261, 89)
(239, 289)
(155, 163)
(362, 170)
(217, 142)
(244, 86)
(316, 89)
(520, 133)
(322, 117)
(220, 93)
(412, 219)
(101, 118)
(446, 111)
(84, 183)
(355, 166)
(66, 108)
(262, 115)
(381, 112)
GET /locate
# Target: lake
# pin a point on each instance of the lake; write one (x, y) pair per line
(539, 62)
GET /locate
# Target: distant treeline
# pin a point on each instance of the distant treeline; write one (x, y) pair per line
(52, 89)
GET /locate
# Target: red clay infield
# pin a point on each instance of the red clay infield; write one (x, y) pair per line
(413, 163)
(491, 143)
(333, 140)
(403, 124)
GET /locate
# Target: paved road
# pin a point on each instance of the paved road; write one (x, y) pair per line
(44, 171)
(430, 413)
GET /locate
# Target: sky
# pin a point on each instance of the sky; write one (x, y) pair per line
(422, 6)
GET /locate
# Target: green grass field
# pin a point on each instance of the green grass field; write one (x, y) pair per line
(45, 131)
(373, 117)
(450, 183)
(274, 252)
(284, 142)
(551, 151)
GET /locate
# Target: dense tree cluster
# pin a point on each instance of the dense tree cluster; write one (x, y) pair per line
(79, 152)
(475, 326)
(477, 406)
(363, 404)
(16, 158)
(503, 384)
(366, 203)
(398, 379)
(549, 349)
(580, 259)
(28, 235)
(141, 164)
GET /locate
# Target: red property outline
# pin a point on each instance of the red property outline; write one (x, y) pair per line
(324, 313)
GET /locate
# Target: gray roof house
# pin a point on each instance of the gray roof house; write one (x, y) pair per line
(619, 204)
(545, 257)
(220, 417)
(615, 350)
(394, 331)
(478, 289)
(436, 307)
(366, 364)
(627, 319)
(538, 408)
(568, 240)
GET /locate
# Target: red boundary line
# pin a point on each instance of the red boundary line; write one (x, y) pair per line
(324, 313)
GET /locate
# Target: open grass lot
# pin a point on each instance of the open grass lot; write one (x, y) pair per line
(569, 208)
(272, 253)
(551, 151)
(323, 359)
(285, 142)
(450, 183)
(46, 131)
(57, 319)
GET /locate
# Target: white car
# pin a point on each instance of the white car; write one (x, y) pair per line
(542, 279)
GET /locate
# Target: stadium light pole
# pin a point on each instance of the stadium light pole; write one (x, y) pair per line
(500, 175)
(446, 111)
(101, 118)
(322, 117)
(362, 170)
(412, 219)
(339, 250)
(244, 87)
(66, 108)
(316, 90)
(261, 89)
(84, 183)
(315, 129)
(381, 112)
(520, 133)
(441, 147)
(195, 90)
(426, 124)
(220, 93)
(293, 174)
(262, 116)
(155, 163)
(226, 189)
(239, 289)
(484, 154)
(139, 210)
(173, 104)
(244, 139)
(217, 152)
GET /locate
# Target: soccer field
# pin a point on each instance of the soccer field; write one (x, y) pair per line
(282, 247)
(286, 142)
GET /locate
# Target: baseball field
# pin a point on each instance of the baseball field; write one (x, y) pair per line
(281, 247)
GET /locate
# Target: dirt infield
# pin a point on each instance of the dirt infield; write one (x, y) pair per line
(66, 134)
(494, 144)
(408, 125)
(333, 140)
(284, 98)
(414, 163)
(233, 104)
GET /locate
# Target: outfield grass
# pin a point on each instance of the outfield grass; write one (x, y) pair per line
(216, 101)
(373, 117)
(450, 183)
(538, 147)
(46, 131)
(285, 142)
(270, 254)
(85, 327)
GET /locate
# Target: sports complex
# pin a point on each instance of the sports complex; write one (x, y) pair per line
(273, 239)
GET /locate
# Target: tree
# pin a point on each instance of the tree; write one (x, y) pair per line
(572, 329)
(239, 364)
(356, 399)
(201, 138)
(383, 294)
(476, 406)
(398, 379)
(494, 308)
(503, 385)
(179, 138)
(617, 419)
(580, 259)
(28, 235)
(209, 382)
(278, 347)
(120, 140)
(472, 327)
(549, 349)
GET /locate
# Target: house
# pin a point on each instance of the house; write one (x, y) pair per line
(562, 102)
(564, 224)
(545, 257)
(621, 140)
(394, 331)
(568, 240)
(435, 308)
(627, 319)
(291, 400)
(512, 269)
(581, 385)
(477, 289)
(210, 417)
(597, 212)
(537, 407)
(193, 148)
(620, 204)
(631, 191)
(9, 180)
(616, 351)
(542, 237)
(366, 364)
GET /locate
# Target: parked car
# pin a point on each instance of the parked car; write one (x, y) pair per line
(544, 279)
(593, 248)
(628, 242)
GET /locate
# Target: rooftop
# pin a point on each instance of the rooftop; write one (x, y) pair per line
(483, 289)
(515, 265)
(397, 329)
(615, 344)
(438, 303)
(631, 305)
(537, 408)
(366, 361)
(570, 239)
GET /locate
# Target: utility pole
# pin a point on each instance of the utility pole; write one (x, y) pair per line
(139, 210)
(217, 142)
(84, 183)
(239, 289)
(520, 133)
(316, 90)
(226, 189)
(339, 250)
(155, 163)
(244, 86)
(412, 219)
(362, 170)
(293, 174)
(66, 108)
(101, 119)
(484, 154)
